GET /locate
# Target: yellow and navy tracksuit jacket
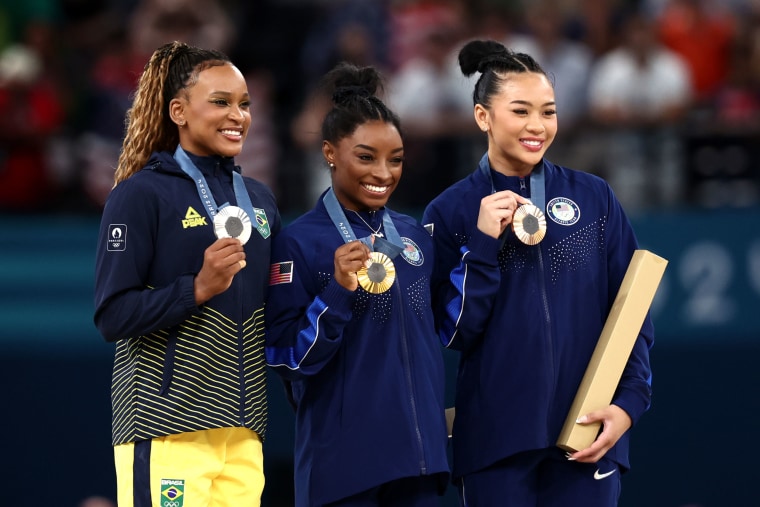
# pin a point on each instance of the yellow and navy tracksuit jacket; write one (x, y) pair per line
(179, 367)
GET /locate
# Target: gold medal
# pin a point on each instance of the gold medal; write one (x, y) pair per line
(529, 224)
(379, 276)
(232, 222)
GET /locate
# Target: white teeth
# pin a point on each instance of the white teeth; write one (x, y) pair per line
(231, 132)
(373, 188)
(533, 143)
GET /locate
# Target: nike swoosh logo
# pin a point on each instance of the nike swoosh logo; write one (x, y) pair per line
(599, 476)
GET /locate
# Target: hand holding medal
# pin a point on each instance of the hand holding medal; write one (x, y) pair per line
(499, 209)
(349, 259)
(356, 265)
(377, 273)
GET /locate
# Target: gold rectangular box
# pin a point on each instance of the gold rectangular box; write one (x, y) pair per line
(613, 348)
(450, 413)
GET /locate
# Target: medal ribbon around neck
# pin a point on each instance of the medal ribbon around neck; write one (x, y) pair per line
(229, 221)
(529, 222)
(380, 275)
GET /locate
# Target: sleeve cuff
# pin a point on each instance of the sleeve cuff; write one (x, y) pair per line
(632, 403)
(338, 299)
(187, 293)
(484, 247)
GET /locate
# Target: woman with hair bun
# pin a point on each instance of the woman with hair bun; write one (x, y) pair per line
(529, 259)
(349, 323)
(181, 275)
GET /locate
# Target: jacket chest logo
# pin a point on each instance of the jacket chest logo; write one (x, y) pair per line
(193, 219)
(563, 211)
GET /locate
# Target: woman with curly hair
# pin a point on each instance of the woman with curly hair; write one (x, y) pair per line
(181, 275)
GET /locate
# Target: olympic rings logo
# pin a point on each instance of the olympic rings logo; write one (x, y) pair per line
(170, 503)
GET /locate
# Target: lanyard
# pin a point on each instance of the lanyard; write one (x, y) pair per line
(204, 192)
(537, 184)
(392, 247)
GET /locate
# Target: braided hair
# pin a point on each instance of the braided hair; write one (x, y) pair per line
(353, 91)
(495, 62)
(171, 70)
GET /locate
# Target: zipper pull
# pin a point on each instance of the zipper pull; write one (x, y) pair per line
(522, 184)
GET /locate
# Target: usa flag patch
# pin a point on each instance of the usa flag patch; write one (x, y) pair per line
(281, 272)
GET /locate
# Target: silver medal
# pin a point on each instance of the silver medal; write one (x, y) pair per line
(232, 222)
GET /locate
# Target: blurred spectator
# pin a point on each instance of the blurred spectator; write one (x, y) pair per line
(353, 31)
(638, 94)
(201, 23)
(260, 153)
(737, 101)
(434, 102)
(111, 81)
(702, 32)
(567, 63)
(412, 20)
(32, 115)
(492, 21)
(596, 23)
(113, 77)
(17, 18)
(91, 52)
(306, 134)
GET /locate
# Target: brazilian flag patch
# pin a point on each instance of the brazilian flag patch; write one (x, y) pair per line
(262, 222)
(172, 492)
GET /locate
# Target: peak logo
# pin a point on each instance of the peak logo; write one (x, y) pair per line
(193, 219)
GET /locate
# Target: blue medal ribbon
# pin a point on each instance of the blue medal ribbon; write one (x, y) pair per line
(204, 192)
(392, 247)
(537, 182)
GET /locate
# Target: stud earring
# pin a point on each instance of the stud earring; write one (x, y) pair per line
(332, 166)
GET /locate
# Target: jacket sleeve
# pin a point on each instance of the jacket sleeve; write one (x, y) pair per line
(304, 324)
(634, 391)
(125, 304)
(465, 281)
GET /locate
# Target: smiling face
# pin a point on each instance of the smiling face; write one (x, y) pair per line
(214, 113)
(521, 123)
(367, 165)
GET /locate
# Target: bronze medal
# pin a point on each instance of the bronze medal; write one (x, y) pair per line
(529, 224)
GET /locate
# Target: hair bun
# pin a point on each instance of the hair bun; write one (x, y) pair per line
(479, 55)
(343, 94)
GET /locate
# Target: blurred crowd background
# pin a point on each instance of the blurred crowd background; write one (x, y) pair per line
(661, 97)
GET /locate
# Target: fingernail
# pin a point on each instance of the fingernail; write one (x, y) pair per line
(582, 419)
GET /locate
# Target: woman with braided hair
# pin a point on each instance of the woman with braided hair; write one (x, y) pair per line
(182, 268)
(349, 323)
(529, 259)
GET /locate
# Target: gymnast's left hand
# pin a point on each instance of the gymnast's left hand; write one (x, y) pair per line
(615, 422)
